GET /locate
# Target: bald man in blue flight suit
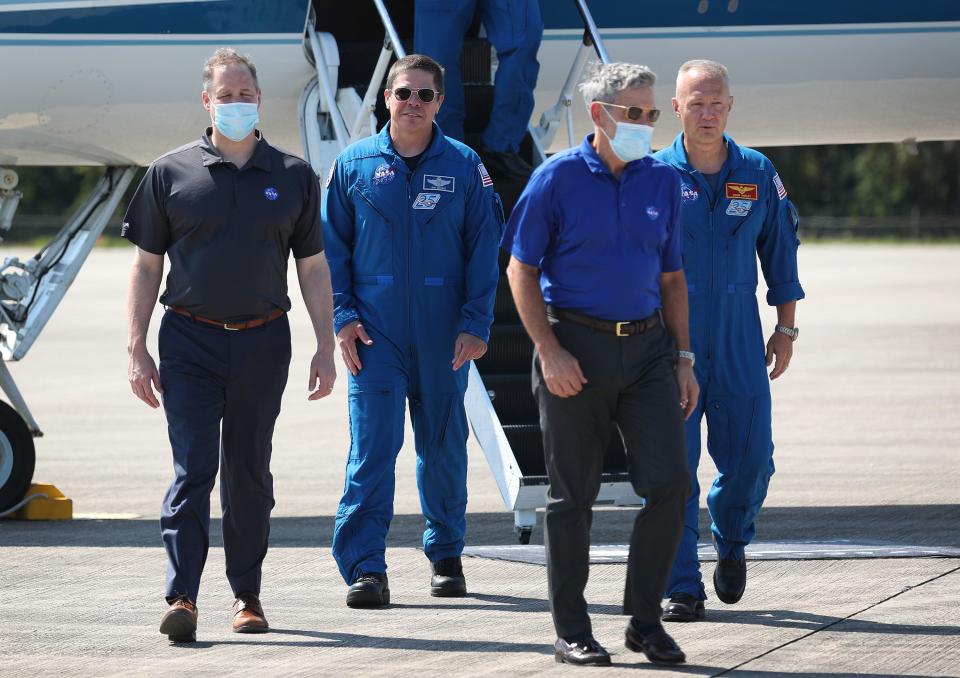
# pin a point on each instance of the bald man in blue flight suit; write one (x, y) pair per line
(412, 226)
(735, 209)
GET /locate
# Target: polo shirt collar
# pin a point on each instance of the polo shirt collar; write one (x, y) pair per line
(385, 143)
(211, 156)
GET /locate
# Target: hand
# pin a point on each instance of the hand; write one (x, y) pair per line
(562, 373)
(781, 346)
(347, 338)
(468, 347)
(322, 375)
(143, 376)
(689, 388)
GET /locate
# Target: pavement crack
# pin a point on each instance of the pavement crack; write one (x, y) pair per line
(835, 622)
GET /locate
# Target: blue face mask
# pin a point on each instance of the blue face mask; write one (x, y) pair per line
(236, 121)
(631, 141)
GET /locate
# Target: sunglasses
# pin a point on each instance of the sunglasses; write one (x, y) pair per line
(635, 114)
(424, 95)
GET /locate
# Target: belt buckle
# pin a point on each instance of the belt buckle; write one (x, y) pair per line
(620, 326)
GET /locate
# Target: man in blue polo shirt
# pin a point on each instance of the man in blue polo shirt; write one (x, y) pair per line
(598, 281)
(735, 209)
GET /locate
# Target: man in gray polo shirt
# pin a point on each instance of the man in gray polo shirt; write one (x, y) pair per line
(228, 209)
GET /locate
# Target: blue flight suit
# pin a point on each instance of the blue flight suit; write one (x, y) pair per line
(514, 27)
(413, 256)
(748, 216)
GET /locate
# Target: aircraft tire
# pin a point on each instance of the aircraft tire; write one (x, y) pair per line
(17, 457)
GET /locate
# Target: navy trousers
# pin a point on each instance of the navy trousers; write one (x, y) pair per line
(222, 391)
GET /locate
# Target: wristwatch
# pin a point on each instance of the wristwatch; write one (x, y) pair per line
(792, 332)
(689, 355)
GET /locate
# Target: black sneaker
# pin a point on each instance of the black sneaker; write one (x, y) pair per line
(730, 579)
(369, 590)
(448, 580)
(586, 652)
(682, 607)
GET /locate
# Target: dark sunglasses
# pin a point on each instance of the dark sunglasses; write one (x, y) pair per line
(635, 114)
(424, 95)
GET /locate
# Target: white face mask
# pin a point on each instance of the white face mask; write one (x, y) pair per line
(631, 141)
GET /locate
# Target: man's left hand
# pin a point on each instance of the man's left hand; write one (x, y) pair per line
(322, 375)
(781, 347)
(689, 388)
(467, 348)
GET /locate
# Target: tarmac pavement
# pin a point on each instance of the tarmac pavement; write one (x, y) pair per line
(867, 426)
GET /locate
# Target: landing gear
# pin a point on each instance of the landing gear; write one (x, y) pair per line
(17, 457)
(523, 534)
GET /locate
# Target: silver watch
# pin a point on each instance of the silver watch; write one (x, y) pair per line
(689, 355)
(792, 332)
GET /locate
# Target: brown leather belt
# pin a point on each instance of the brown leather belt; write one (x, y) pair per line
(242, 325)
(623, 328)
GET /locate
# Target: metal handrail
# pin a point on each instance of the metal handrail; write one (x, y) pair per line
(323, 78)
(591, 28)
(391, 29)
(543, 133)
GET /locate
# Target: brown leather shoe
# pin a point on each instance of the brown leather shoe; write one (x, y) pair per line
(248, 615)
(179, 622)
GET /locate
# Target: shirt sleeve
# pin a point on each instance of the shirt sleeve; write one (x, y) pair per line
(671, 258)
(778, 243)
(483, 228)
(338, 215)
(145, 222)
(307, 238)
(530, 228)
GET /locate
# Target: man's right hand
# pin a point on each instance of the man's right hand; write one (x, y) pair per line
(143, 375)
(561, 372)
(347, 338)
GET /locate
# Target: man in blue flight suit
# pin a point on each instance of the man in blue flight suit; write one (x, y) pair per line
(514, 27)
(735, 209)
(411, 224)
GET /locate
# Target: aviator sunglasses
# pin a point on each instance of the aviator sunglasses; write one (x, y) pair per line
(425, 95)
(635, 114)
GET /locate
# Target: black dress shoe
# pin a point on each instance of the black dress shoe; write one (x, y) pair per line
(505, 165)
(683, 607)
(730, 579)
(448, 580)
(659, 647)
(369, 590)
(583, 652)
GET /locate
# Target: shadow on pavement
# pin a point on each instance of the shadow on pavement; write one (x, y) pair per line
(911, 524)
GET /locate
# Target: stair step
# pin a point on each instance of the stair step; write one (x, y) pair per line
(504, 310)
(512, 398)
(526, 442)
(510, 351)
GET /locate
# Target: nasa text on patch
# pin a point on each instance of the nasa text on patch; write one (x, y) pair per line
(383, 174)
(426, 201)
(742, 191)
(689, 193)
(435, 182)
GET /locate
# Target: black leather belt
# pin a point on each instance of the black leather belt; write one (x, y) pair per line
(241, 325)
(623, 328)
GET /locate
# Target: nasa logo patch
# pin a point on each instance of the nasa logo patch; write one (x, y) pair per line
(270, 193)
(689, 193)
(383, 174)
(653, 212)
(739, 208)
(426, 201)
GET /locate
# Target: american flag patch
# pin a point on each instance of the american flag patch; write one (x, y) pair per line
(484, 177)
(781, 191)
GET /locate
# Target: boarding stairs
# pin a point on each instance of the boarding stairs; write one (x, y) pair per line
(351, 51)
